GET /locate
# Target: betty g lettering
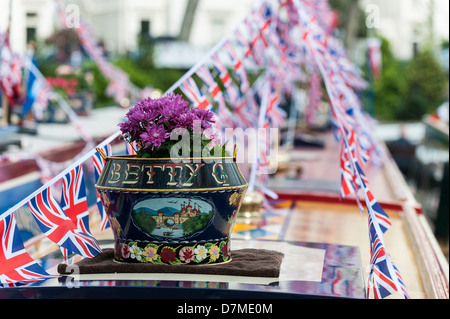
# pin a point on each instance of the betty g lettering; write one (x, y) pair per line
(183, 174)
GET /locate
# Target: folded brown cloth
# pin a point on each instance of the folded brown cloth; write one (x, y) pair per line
(244, 262)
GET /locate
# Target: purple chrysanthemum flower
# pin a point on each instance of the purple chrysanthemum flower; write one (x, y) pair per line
(154, 135)
(172, 107)
(184, 119)
(150, 121)
(205, 116)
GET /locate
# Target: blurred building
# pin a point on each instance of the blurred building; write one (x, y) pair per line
(120, 24)
(408, 24)
(30, 20)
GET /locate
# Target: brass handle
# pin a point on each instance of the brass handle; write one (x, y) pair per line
(101, 152)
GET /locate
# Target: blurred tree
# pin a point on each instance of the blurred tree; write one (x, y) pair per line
(99, 85)
(390, 88)
(427, 85)
(445, 44)
(145, 51)
(158, 78)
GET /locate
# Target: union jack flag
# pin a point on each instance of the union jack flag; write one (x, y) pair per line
(351, 74)
(16, 265)
(256, 47)
(10, 70)
(377, 211)
(231, 90)
(263, 145)
(246, 117)
(263, 142)
(74, 200)
(246, 47)
(401, 283)
(384, 277)
(59, 228)
(352, 175)
(356, 140)
(314, 96)
(244, 106)
(41, 102)
(98, 166)
(383, 283)
(119, 81)
(274, 113)
(374, 55)
(357, 152)
(347, 177)
(238, 66)
(193, 93)
(226, 118)
(130, 148)
(266, 19)
(263, 26)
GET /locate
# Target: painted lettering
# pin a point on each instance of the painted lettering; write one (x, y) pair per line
(220, 178)
(150, 173)
(115, 173)
(132, 174)
(172, 172)
(193, 173)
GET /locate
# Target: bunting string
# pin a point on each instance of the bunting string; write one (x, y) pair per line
(57, 227)
(46, 89)
(279, 45)
(99, 162)
(316, 41)
(119, 86)
(10, 70)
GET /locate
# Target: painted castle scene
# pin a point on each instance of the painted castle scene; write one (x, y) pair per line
(172, 217)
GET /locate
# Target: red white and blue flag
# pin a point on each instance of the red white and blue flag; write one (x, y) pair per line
(256, 47)
(246, 116)
(231, 90)
(348, 183)
(374, 56)
(130, 148)
(246, 46)
(380, 278)
(16, 265)
(223, 114)
(275, 113)
(263, 145)
(314, 96)
(377, 211)
(268, 103)
(244, 105)
(99, 162)
(348, 118)
(10, 71)
(59, 228)
(352, 174)
(74, 200)
(238, 67)
(193, 93)
(384, 277)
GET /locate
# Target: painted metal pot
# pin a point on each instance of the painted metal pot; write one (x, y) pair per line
(167, 212)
